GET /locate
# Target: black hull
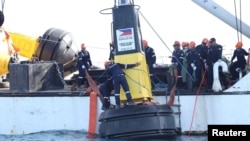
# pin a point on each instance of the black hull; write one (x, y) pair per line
(138, 122)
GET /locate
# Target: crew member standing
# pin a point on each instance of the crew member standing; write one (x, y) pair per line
(177, 60)
(240, 54)
(151, 60)
(202, 49)
(83, 63)
(214, 54)
(193, 67)
(185, 49)
(118, 76)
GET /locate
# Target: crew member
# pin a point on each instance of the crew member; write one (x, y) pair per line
(202, 49)
(240, 54)
(194, 67)
(214, 54)
(83, 64)
(185, 49)
(151, 60)
(118, 76)
(177, 60)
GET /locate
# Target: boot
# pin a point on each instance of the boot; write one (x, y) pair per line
(106, 103)
(117, 102)
(131, 102)
(129, 99)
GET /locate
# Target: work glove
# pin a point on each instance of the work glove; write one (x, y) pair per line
(206, 66)
(194, 68)
(154, 65)
(192, 65)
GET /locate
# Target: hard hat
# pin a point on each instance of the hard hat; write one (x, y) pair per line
(205, 40)
(191, 44)
(176, 43)
(1, 18)
(145, 43)
(239, 45)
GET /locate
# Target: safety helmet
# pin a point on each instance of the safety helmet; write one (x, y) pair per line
(191, 44)
(145, 43)
(239, 45)
(1, 18)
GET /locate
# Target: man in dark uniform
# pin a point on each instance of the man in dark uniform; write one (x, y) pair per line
(83, 63)
(202, 49)
(193, 66)
(105, 89)
(115, 71)
(240, 54)
(214, 54)
(177, 60)
(151, 60)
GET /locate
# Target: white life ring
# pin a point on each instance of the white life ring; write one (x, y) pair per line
(216, 81)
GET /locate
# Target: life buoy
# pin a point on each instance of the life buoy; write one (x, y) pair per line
(216, 81)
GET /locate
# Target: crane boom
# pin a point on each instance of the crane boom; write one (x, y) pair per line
(224, 15)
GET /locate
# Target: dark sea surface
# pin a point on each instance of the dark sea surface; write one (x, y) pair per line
(81, 135)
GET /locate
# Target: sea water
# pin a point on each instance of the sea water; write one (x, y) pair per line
(81, 135)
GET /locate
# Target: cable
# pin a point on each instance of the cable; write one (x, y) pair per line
(236, 19)
(235, 11)
(197, 93)
(154, 31)
(240, 23)
(166, 45)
